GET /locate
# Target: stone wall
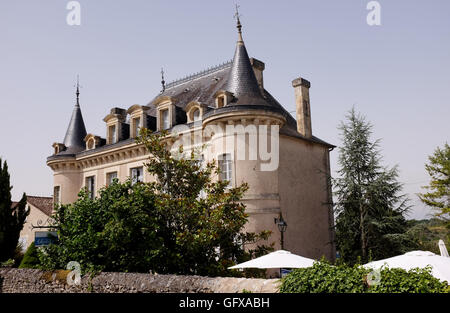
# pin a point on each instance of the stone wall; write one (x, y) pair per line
(37, 281)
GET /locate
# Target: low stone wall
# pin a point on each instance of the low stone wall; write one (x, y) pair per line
(14, 280)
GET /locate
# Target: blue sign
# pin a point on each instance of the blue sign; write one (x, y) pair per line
(285, 271)
(44, 238)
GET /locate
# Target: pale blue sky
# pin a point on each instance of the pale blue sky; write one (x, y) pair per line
(396, 74)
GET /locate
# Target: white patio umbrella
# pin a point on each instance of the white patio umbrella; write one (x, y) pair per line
(443, 248)
(277, 259)
(440, 265)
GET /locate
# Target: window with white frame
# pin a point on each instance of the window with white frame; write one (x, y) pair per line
(112, 134)
(165, 120)
(226, 168)
(137, 174)
(110, 178)
(136, 126)
(90, 186)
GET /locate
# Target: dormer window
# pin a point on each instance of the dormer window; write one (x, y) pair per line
(58, 147)
(92, 141)
(165, 119)
(223, 97)
(112, 134)
(136, 126)
(220, 101)
(196, 115)
(138, 119)
(166, 112)
(194, 111)
(90, 144)
(116, 127)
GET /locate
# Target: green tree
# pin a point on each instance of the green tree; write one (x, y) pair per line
(30, 258)
(12, 217)
(438, 196)
(370, 211)
(185, 222)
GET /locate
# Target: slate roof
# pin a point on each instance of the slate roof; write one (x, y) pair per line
(76, 132)
(236, 76)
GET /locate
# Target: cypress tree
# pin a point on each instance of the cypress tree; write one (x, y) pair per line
(11, 218)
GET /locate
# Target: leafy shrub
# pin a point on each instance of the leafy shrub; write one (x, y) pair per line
(325, 278)
(395, 280)
(340, 278)
(30, 259)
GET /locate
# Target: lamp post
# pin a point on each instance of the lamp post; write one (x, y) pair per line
(282, 225)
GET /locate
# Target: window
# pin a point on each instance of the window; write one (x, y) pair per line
(90, 144)
(110, 178)
(225, 166)
(136, 175)
(201, 163)
(196, 115)
(112, 134)
(136, 126)
(56, 195)
(90, 186)
(165, 119)
(220, 101)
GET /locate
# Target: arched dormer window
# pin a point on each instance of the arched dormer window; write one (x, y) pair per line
(90, 144)
(194, 111)
(92, 141)
(58, 147)
(223, 97)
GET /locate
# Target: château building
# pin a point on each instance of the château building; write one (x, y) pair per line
(292, 180)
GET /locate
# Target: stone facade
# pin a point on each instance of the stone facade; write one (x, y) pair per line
(230, 95)
(36, 281)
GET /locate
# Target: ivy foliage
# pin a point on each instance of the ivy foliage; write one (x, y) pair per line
(324, 277)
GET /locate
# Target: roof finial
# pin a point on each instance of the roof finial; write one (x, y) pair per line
(239, 26)
(163, 82)
(78, 89)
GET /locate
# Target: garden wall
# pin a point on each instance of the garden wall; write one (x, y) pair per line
(37, 281)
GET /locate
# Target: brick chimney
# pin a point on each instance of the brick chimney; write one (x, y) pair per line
(258, 68)
(301, 89)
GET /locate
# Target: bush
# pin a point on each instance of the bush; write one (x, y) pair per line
(326, 278)
(395, 280)
(30, 259)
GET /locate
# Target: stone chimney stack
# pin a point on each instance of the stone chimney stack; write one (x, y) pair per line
(301, 89)
(258, 68)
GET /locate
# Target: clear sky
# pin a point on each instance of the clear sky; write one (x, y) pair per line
(397, 74)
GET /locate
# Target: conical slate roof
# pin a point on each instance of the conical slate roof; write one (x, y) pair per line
(76, 132)
(242, 81)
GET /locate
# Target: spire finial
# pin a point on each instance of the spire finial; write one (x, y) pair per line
(238, 26)
(163, 82)
(78, 90)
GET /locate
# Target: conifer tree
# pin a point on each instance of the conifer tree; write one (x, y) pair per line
(370, 210)
(12, 217)
(438, 196)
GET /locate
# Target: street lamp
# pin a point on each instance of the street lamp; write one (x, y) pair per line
(282, 225)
